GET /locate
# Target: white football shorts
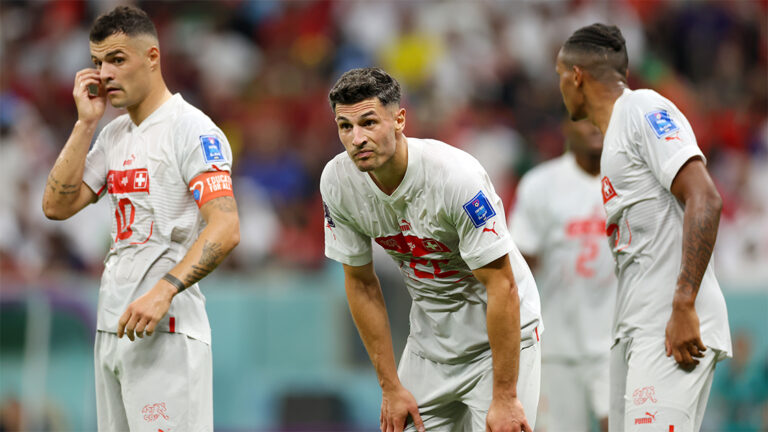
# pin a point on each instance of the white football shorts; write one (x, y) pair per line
(650, 392)
(456, 397)
(157, 383)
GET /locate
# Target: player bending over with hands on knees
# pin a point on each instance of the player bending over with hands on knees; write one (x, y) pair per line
(670, 324)
(164, 167)
(472, 358)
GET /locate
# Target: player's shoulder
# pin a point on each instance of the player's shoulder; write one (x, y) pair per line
(188, 117)
(547, 173)
(440, 158)
(546, 169)
(644, 100)
(338, 171)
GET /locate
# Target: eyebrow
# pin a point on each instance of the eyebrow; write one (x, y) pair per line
(109, 54)
(365, 114)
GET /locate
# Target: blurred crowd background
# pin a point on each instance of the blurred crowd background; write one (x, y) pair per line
(477, 74)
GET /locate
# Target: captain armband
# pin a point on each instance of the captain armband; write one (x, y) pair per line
(210, 185)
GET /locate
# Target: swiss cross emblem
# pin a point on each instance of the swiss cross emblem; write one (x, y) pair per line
(431, 245)
(608, 191)
(140, 181)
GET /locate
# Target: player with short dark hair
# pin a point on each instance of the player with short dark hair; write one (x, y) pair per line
(662, 218)
(472, 358)
(164, 167)
(558, 224)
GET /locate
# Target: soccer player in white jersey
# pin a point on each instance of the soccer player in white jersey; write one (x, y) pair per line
(165, 169)
(472, 359)
(662, 210)
(558, 224)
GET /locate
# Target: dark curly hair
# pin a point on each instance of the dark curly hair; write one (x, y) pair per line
(360, 84)
(599, 48)
(129, 20)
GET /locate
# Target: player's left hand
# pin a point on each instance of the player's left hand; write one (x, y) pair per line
(145, 312)
(506, 415)
(683, 337)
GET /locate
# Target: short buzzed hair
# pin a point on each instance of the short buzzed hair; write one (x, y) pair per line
(128, 20)
(598, 48)
(357, 85)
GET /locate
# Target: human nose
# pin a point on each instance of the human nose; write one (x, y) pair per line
(358, 136)
(105, 73)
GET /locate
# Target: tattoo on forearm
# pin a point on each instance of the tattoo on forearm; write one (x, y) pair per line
(211, 256)
(698, 242)
(225, 204)
(62, 189)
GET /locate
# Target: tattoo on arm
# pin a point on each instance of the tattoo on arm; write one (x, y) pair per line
(209, 259)
(698, 241)
(225, 204)
(66, 189)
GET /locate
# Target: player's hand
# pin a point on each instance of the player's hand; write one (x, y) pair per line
(145, 312)
(506, 415)
(683, 337)
(89, 108)
(396, 406)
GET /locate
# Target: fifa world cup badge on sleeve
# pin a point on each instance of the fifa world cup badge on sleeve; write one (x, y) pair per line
(661, 123)
(479, 210)
(211, 148)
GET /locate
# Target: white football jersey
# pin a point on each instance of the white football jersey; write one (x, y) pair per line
(146, 172)
(559, 218)
(647, 142)
(443, 221)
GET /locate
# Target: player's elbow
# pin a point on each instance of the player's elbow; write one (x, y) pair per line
(54, 212)
(231, 233)
(234, 236)
(715, 200)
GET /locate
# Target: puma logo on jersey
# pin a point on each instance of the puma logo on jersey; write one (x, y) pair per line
(673, 137)
(130, 160)
(404, 225)
(650, 418)
(492, 229)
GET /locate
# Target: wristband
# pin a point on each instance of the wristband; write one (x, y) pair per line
(171, 279)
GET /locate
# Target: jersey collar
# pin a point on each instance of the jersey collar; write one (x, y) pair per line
(159, 114)
(411, 172)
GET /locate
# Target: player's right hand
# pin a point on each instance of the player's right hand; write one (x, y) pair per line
(89, 108)
(396, 406)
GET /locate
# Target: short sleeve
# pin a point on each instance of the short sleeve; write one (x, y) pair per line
(525, 219)
(202, 147)
(668, 138)
(343, 242)
(95, 172)
(478, 215)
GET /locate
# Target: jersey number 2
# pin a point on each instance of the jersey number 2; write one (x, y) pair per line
(125, 213)
(589, 251)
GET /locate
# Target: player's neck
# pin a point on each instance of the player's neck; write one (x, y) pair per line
(603, 100)
(155, 98)
(588, 162)
(389, 176)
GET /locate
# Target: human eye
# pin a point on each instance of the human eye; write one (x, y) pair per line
(118, 60)
(345, 126)
(369, 123)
